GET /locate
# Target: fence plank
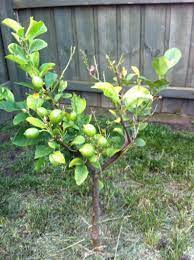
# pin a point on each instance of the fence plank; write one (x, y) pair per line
(6, 10)
(19, 4)
(154, 36)
(107, 35)
(3, 66)
(85, 37)
(180, 33)
(64, 37)
(130, 32)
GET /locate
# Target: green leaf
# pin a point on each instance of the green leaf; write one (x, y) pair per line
(20, 139)
(35, 29)
(50, 79)
(53, 145)
(38, 164)
(15, 26)
(37, 45)
(100, 185)
(57, 158)
(35, 59)
(6, 94)
(78, 140)
(35, 122)
(42, 151)
(78, 104)
(81, 173)
(34, 102)
(10, 106)
(17, 59)
(140, 142)
(75, 162)
(20, 118)
(44, 68)
(109, 91)
(130, 76)
(16, 50)
(135, 96)
(25, 84)
(135, 70)
(160, 65)
(173, 55)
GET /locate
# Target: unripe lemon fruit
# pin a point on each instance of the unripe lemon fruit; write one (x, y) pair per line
(102, 141)
(87, 150)
(89, 130)
(73, 116)
(42, 112)
(56, 116)
(37, 82)
(31, 133)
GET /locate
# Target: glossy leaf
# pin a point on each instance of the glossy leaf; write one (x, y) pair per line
(78, 140)
(81, 173)
(75, 162)
(42, 151)
(44, 68)
(173, 55)
(10, 106)
(34, 102)
(56, 158)
(6, 94)
(35, 122)
(109, 91)
(135, 96)
(50, 79)
(15, 26)
(35, 29)
(160, 65)
(78, 104)
(37, 45)
(20, 139)
(20, 118)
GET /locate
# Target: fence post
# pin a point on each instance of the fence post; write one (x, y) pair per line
(6, 11)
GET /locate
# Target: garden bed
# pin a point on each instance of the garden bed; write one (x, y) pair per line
(146, 202)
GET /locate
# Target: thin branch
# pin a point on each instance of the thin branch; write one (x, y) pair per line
(72, 52)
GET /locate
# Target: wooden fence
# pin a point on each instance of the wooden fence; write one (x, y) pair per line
(140, 29)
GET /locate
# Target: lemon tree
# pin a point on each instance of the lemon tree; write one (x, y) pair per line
(66, 136)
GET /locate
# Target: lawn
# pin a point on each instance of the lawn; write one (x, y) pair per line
(146, 203)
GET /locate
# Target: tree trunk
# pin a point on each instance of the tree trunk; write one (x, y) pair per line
(95, 212)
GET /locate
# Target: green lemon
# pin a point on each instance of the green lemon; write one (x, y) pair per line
(42, 112)
(87, 150)
(89, 130)
(37, 82)
(31, 133)
(102, 141)
(56, 116)
(73, 116)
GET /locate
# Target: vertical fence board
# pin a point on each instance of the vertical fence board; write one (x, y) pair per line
(154, 36)
(190, 71)
(130, 35)
(85, 37)
(107, 36)
(3, 65)
(64, 38)
(180, 33)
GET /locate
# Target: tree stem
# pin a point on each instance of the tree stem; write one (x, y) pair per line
(95, 212)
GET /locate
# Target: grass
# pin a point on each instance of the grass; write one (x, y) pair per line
(146, 204)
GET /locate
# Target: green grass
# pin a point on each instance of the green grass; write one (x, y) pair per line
(146, 204)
